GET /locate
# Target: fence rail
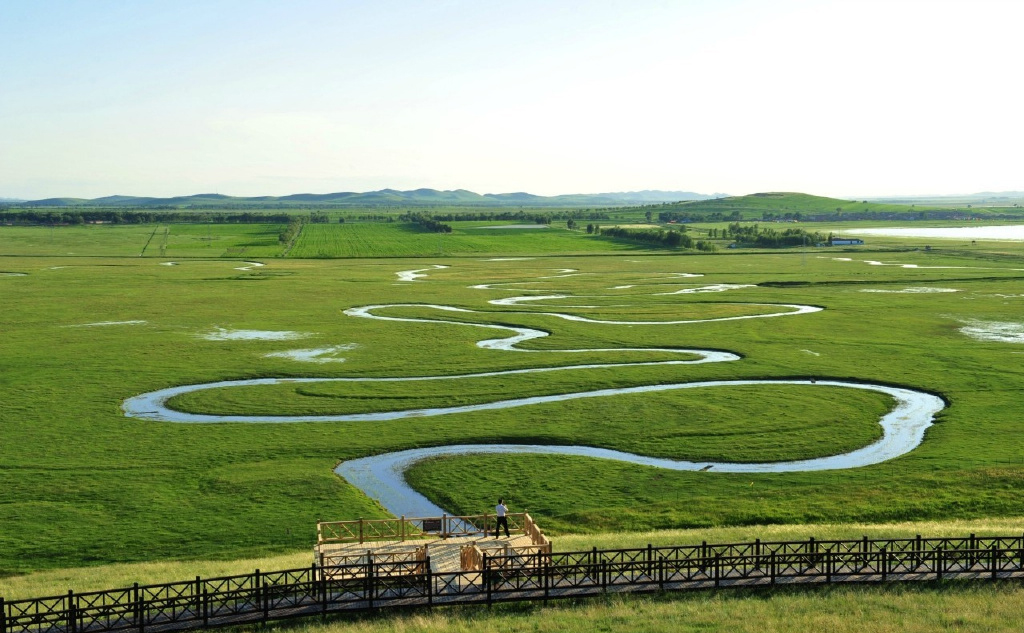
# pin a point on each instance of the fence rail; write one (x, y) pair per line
(537, 575)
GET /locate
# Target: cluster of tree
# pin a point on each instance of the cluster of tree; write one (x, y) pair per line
(319, 217)
(660, 237)
(120, 216)
(292, 230)
(754, 235)
(427, 223)
(689, 216)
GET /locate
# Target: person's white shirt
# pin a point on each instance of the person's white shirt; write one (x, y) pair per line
(501, 509)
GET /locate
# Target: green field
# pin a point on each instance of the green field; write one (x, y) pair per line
(89, 323)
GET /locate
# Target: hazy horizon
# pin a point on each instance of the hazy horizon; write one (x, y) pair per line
(901, 98)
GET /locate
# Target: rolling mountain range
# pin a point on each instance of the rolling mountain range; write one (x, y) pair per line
(384, 197)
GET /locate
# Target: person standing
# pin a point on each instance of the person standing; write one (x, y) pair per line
(501, 509)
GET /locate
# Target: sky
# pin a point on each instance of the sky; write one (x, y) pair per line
(853, 98)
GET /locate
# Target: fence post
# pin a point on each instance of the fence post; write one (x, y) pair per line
(718, 569)
(650, 560)
(938, 562)
(829, 563)
(545, 569)
(320, 577)
(360, 530)
(137, 608)
(198, 591)
(265, 598)
(972, 558)
(487, 578)
(444, 525)
(661, 572)
(401, 528)
(772, 566)
(884, 560)
(994, 561)
(3, 616)
(206, 606)
(72, 612)
(370, 584)
(430, 581)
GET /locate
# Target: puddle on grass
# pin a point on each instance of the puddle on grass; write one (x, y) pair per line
(994, 331)
(315, 355)
(103, 323)
(910, 291)
(222, 334)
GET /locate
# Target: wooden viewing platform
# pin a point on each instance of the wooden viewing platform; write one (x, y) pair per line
(449, 543)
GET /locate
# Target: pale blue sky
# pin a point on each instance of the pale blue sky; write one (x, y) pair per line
(846, 98)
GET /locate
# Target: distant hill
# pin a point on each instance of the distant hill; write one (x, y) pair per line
(10, 200)
(384, 197)
(988, 198)
(787, 206)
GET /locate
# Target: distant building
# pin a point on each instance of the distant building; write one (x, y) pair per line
(845, 242)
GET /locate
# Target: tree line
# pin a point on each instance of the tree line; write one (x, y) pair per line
(672, 238)
(118, 216)
(757, 236)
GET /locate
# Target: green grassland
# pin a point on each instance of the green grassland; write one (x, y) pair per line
(80, 484)
(143, 240)
(466, 238)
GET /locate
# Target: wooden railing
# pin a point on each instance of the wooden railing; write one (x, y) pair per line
(536, 534)
(403, 528)
(315, 591)
(407, 561)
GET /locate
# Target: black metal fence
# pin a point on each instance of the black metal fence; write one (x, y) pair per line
(263, 596)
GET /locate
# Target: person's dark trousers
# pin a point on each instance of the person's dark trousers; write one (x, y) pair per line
(502, 523)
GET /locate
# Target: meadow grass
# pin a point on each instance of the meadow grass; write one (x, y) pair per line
(467, 238)
(80, 484)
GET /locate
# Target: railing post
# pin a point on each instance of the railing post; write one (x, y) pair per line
(430, 582)
(321, 584)
(72, 613)
(972, 558)
(206, 606)
(545, 570)
(444, 525)
(829, 565)
(198, 591)
(487, 578)
(884, 560)
(401, 528)
(995, 568)
(938, 562)
(3, 616)
(718, 569)
(360, 529)
(137, 608)
(370, 582)
(661, 572)
(772, 566)
(650, 560)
